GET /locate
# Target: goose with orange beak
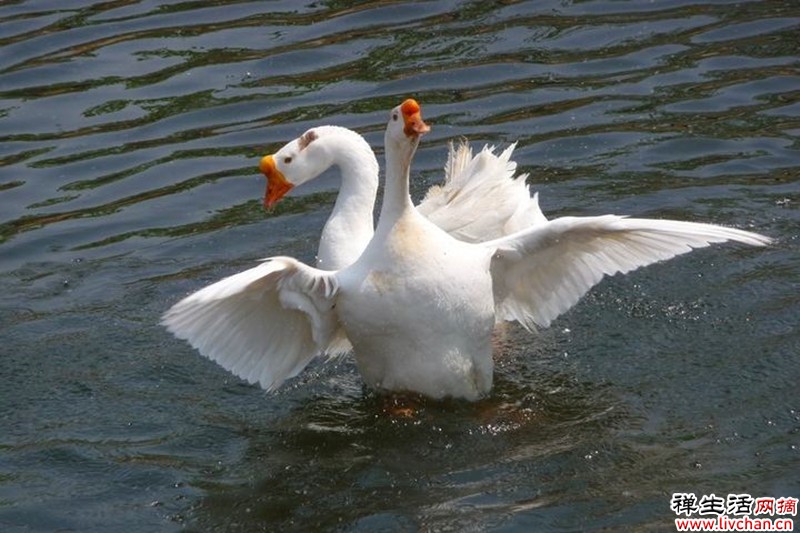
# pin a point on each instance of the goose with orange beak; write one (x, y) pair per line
(469, 182)
(412, 119)
(277, 184)
(419, 306)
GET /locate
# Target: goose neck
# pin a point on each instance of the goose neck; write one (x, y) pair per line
(396, 197)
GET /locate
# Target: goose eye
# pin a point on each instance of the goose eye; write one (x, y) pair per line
(287, 160)
(394, 117)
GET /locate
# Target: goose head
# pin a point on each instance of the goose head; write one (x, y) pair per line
(405, 127)
(297, 162)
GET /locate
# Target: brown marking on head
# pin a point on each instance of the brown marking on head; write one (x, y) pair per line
(306, 139)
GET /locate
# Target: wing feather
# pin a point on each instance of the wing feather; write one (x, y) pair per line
(264, 324)
(481, 197)
(541, 272)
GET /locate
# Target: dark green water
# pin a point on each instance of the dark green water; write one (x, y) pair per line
(130, 133)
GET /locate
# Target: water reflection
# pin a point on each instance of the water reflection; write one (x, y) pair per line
(345, 459)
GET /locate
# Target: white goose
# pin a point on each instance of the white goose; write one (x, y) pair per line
(457, 206)
(419, 305)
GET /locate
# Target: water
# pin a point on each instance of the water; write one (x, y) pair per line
(130, 132)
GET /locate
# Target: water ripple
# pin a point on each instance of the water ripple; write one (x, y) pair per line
(131, 132)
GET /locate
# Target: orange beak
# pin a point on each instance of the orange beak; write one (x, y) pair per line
(277, 184)
(412, 117)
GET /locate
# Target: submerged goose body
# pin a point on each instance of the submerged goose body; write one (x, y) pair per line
(455, 206)
(418, 305)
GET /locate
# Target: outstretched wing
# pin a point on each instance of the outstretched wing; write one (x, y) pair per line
(540, 273)
(264, 324)
(481, 199)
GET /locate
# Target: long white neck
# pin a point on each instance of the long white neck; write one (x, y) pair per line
(350, 226)
(396, 198)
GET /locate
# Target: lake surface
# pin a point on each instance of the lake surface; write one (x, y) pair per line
(130, 134)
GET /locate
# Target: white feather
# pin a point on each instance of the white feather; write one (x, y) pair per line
(419, 305)
(264, 324)
(481, 198)
(542, 272)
